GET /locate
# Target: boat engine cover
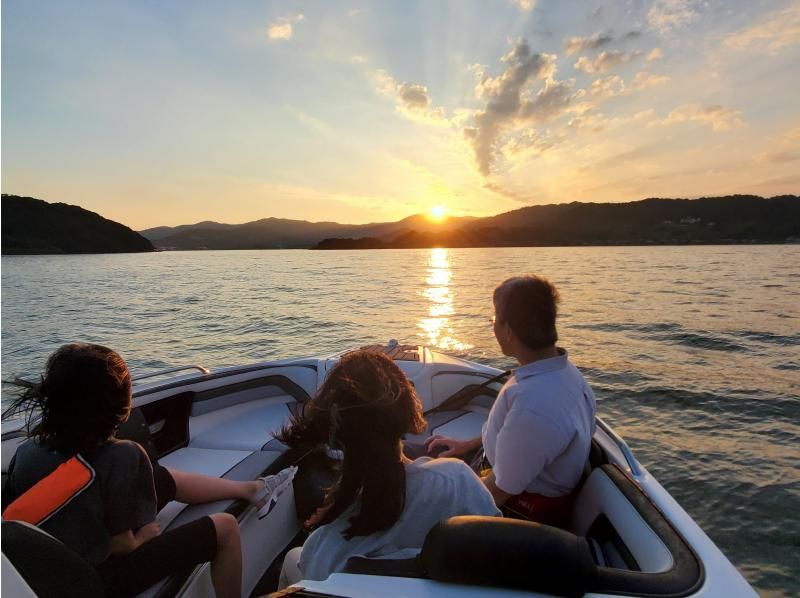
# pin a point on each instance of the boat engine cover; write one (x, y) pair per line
(508, 553)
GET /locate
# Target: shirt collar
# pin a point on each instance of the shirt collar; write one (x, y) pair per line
(542, 366)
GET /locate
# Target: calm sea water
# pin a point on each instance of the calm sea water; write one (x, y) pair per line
(694, 352)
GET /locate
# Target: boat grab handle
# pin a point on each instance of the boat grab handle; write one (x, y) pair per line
(633, 464)
(205, 372)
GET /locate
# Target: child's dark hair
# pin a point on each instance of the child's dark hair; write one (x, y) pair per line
(84, 395)
(364, 408)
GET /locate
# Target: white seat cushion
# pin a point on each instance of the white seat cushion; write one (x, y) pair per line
(247, 426)
(601, 496)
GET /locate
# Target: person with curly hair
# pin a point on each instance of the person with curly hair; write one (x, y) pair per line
(108, 516)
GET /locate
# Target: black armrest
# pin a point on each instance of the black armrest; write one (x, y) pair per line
(508, 553)
(386, 567)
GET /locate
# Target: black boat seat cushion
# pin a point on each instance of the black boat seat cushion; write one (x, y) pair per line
(46, 565)
(508, 553)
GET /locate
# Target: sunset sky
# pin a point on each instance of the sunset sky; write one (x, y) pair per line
(164, 113)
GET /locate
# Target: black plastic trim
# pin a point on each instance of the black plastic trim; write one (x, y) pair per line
(216, 376)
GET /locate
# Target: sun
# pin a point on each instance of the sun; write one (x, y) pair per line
(438, 213)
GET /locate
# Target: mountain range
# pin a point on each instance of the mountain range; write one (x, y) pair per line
(31, 225)
(282, 233)
(730, 219)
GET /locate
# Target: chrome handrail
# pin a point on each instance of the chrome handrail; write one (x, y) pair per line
(633, 465)
(205, 371)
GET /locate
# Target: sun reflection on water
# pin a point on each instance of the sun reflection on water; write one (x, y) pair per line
(436, 328)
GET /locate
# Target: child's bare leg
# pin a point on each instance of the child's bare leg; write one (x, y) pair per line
(195, 488)
(226, 568)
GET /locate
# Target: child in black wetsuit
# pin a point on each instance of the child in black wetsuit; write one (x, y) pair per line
(110, 520)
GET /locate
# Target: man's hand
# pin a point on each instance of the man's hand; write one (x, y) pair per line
(452, 447)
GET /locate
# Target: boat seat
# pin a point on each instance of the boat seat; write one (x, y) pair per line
(241, 427)
(65, 574)
(618, 534)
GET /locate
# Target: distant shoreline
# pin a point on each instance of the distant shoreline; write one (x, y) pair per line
(697, 244)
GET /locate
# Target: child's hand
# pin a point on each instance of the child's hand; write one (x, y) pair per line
(147, 532)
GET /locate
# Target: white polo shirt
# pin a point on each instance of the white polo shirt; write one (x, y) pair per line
(540, 428)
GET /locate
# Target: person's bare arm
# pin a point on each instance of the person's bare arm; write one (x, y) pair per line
(129, 541)
(452, 446)
(499, 496)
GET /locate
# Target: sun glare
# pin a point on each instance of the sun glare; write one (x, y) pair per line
(438, 213)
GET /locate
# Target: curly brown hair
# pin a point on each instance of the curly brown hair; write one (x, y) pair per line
(83, 396)
(364, 408)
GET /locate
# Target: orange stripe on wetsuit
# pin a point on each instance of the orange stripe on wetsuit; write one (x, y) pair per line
(52, 493)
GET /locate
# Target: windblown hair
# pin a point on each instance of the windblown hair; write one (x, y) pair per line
(529, 304)
(363, 409)
(84, 395)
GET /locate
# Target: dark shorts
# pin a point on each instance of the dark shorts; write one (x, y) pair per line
(165, 486)
(174, 551)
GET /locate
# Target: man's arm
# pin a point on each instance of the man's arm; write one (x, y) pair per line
(499, 496)
(453, 447)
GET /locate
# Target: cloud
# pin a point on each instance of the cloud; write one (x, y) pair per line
(777, 157)
(643, 80)
(655, 54)
(309, 121)
(280, 31)
(780, 29)
(607, 87)
(605, 61)
(412, 99)
(668, 15)
(508, 103)
(613, 86)
(282, 28)
(719, 118)
(589, 121)
(573, 45)
(358, 59)
(507, 193)
(525, 5)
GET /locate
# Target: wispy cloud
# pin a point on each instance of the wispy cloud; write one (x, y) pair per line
(605, 61)
(412, 99)
(282, 28)
(525, 5)
(507, 101)
(666, 16)
(781, 28)
(312, 122)
(573, 45)
(643, 80)
(719, 118)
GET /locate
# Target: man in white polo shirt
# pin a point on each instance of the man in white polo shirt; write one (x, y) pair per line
(539, 431)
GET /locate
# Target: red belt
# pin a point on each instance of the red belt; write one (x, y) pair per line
(550, 510)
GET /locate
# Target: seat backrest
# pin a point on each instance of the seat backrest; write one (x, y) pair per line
(50, 569)
(600, 500)
(508, 553)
